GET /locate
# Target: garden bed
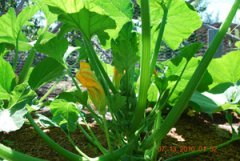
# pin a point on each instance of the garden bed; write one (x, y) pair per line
(189, 133)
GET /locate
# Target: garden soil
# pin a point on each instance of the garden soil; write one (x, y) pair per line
(190, 133)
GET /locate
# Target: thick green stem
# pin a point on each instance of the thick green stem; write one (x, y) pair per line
(185, 155)
(182, 102)
(60, 150)
(145, 67)
(98, 68)
(11, 155)
(104, 74)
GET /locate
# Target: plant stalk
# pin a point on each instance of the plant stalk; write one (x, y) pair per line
(98, 68)
(50, 90)
(145, 67)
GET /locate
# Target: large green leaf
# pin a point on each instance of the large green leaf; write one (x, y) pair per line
(89, 23)
(4, 95)
(181, 21)
(21, 95)
(174, 72)
(65, 6)
(176, 65)
(11, 119)
(44, 72)
(225, 69)
(153, 93)
(121, 10)
(65, 114)
(49, 48)
(74, 96)
(9, 20)
(7, 76)
(124, 49)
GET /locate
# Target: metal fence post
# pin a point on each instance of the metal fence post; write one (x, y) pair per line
(211, 34)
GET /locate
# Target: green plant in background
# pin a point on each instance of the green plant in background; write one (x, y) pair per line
(131, 134)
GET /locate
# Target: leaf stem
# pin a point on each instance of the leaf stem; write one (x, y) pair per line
(12, 155)
(26, 67)
(94, 139)
(76, 147)
(60, 150)
(50, 90)
(160, 34)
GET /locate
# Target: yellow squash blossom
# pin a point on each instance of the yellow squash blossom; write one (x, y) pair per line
(95, 90)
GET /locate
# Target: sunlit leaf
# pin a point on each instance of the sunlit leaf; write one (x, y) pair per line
(10, 20)
(7, 76)
(65, 114)
(4, 95)
(211, 103)
(153, 93)
(121, 11)
(225, 69)
(11, 119)
(66, 6)
(89, 23)
(176, 65)
(21, 95)
(181, 21)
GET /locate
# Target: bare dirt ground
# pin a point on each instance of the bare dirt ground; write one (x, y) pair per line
(190, 133)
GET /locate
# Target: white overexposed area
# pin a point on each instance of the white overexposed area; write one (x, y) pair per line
(217, 10)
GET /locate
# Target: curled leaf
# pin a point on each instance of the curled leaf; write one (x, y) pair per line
(95, 90)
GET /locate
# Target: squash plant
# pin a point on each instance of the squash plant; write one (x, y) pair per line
(131, 133)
